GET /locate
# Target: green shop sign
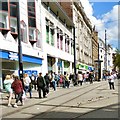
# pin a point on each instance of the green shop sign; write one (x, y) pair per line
(86, 67)
(80, 66)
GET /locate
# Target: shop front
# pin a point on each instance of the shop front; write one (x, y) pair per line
(51, 63)
(10, 64)
(67, 67)
(84, 68)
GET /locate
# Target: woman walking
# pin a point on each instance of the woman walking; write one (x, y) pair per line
(18, 89)
(7, 84)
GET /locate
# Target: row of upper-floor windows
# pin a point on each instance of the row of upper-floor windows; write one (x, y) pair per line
(8, 22)
(63, 40)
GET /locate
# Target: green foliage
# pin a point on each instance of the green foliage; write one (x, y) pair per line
(116, 59)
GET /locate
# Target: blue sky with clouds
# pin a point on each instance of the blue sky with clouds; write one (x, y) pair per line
(104, 15)
(101, 8)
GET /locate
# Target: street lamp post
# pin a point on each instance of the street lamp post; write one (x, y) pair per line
(105, 53)
(19, 44)
(74, 50)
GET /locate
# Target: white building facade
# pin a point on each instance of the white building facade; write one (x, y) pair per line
(103, 57)
(57, 39)
(30, 24)
(43, 48)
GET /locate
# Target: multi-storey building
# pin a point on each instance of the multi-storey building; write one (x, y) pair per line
(57, 38)
(46, 38)
(110, 52)
(30, 26)
(103, 56)
(83, 34)
(83, 38)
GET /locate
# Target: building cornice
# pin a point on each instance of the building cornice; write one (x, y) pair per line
(59, 12)
(79, 7)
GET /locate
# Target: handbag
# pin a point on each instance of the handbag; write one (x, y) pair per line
(46, 89)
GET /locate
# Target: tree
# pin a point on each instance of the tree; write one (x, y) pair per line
(116, 59)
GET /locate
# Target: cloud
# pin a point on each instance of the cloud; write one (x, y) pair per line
(108, 21)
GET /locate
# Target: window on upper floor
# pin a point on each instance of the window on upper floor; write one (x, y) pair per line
(58, 44)
(59, 39)
(32, 33)
(61, 42)
(49, 32)
(67, 43)
(13, 8)
(3, 20)
(4, 6)
(13, 19)
(32, 21)
(38, 43)
(4, 15)
(23, 32)
(68, 49)
(13, 25)
(52, 36)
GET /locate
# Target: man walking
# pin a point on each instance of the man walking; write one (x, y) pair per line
(41, 85)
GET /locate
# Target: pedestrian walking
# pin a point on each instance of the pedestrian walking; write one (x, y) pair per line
(90, 78)
(66, 78)
(7, 84)
(18, 89)
(41, 85)
(47, 80)
(52, 80)
(27, 84)
(80, 78)
(111, 79)
(33, 81)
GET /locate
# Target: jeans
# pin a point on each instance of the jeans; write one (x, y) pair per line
(54, 85)
(39, 92)
(27, 89)
(19, 97)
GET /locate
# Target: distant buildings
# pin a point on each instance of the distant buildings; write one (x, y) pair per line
(108, 60)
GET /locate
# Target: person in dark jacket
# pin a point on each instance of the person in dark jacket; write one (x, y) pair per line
(47, 80)
(41, 84)
(90, 78)
(33, 80)
(18, 89)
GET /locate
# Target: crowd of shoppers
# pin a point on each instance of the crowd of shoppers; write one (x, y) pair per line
(42, 84)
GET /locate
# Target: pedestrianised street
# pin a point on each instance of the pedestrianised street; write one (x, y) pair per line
(88, 101)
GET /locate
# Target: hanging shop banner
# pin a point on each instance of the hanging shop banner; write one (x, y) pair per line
(30, 72)
(90, 68)
(86, 67)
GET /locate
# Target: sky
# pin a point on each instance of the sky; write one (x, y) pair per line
(104, 15)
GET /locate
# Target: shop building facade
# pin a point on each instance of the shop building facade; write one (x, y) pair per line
(57, 38)
(30, 24)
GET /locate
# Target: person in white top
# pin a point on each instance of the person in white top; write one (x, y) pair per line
(80, 78)
(111, 79)
(27, 82)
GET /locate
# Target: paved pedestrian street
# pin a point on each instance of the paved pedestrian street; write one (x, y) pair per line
(88, 101)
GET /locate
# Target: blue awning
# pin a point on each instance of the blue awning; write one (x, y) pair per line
(25, 58)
